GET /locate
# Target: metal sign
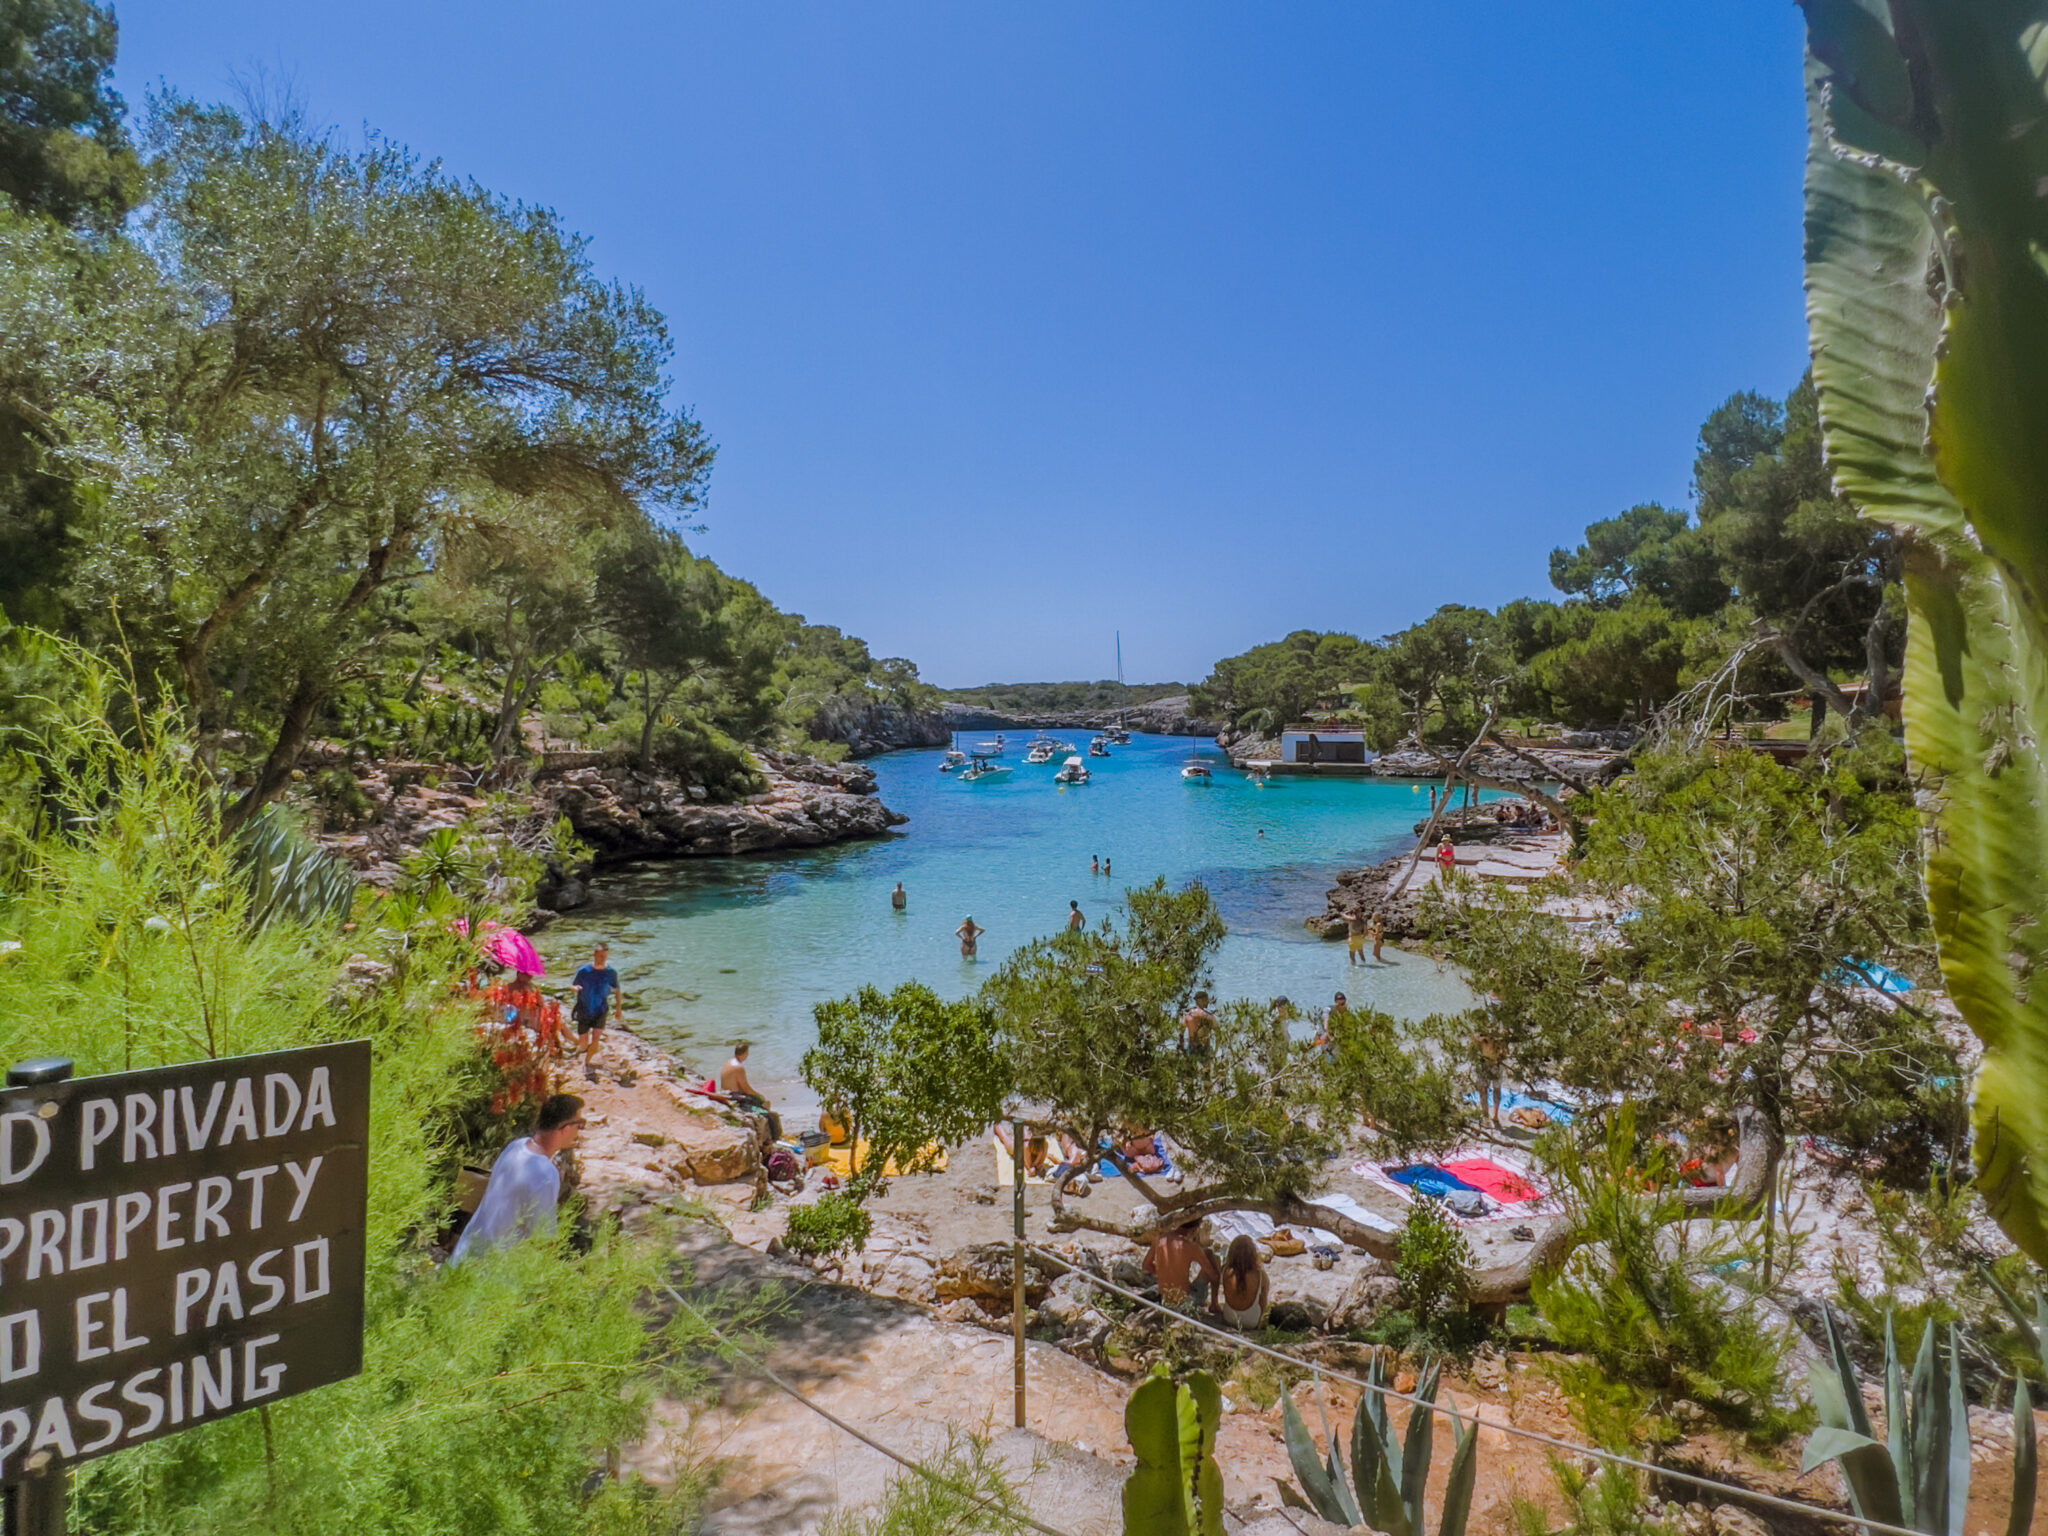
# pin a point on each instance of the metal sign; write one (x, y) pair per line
(176, 1245)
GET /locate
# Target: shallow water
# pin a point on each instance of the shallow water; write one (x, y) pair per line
(714, 949)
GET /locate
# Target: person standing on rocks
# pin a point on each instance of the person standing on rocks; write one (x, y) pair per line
(967, 933)
(899, 898)
(597, 985)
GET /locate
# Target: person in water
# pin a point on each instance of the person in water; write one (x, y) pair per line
(733, 1083)
(1354, 925)
(967, 933)
(899, 898)
(1105, 866)
(1095, 865)
(1075, 921)
(1377, 932)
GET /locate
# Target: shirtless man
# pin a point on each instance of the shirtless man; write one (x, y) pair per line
(1354, 947)
(732, 1082)
(899, 898)
(1177, 1257)
(967, 933)
(1195, 1025)
(1075, 921)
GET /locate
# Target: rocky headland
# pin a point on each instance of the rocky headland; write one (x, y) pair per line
(1160, 717)
(619, 811)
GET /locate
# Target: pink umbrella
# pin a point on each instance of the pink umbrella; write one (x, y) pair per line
(513, 950)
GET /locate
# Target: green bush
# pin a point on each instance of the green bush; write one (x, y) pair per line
(1432, 1266)
(831, 1227)
(1656, 1321)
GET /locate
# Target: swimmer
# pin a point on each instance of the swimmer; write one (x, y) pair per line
(899, 898)
(967, 933)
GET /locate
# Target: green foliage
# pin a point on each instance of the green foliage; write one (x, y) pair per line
(830, 1227)
(911, 1073)
(62, 148)
(1652, 1317)
(1286, 679)
(1176, 1488)
(1060, 698)
(962, 1491)
(1388, 1476)
(290, 876)
(1648, 551)
(1605, 1500)
(1747, 884)
(488, 1394)
(1432, 1265)
(1928, 310)
(1090, 1025)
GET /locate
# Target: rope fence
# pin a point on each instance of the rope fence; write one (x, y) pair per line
(1730, 1492)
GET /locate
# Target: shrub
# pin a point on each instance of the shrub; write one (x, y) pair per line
(1432, 1266)
(829, 1228)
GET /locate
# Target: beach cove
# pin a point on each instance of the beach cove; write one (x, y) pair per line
(713, 949)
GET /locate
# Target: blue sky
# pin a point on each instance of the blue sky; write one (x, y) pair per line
(1020, 324)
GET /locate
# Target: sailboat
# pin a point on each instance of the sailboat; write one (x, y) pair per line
(954, 757)
(1118, 735)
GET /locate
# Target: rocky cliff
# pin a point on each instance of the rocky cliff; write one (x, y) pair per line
(621, 812)
(867, 729)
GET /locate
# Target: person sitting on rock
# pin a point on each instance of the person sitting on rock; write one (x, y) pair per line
(733, 1083)
(1185, 1269)
(1245, 1287)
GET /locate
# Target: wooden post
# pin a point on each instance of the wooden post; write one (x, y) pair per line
(36, 1503)
(1017, 1257)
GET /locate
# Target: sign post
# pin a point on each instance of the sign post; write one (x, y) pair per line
(1017, 1261)
(176, 1244)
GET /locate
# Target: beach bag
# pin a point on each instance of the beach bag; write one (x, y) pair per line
(782, 1165)
(1284, 1243)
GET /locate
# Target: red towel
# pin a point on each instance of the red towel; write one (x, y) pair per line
(1488, 1177)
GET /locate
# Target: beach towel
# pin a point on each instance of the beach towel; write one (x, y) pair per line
(1430, 1179)
(1108, 1170)
(1006, 1172)
(1542, 1110)
(1494, 1181)
(842, 1160)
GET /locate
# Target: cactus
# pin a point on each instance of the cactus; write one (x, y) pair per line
(1176, 1489)
(1387, 1479)
(1918, 1476)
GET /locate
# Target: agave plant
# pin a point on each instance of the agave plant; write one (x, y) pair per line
(1387, 1477)
(1918, 1476)
(289, 875)
(1176, 1489)
(1927, 300)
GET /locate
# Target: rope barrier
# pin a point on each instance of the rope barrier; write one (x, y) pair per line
(1729, 1490)
(836, 1422)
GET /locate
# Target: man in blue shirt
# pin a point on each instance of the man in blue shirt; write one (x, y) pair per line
(597, 984)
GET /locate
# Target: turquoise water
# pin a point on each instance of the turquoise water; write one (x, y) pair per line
(714, 949)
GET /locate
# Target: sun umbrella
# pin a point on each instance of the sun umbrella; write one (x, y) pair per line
(513, 950)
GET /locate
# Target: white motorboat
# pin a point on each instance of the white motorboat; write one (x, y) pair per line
(1043, 750)
(983, 768)
(1072, 771)
(954, 758)
(990, 748)
(1196, 772)
(1099, 747)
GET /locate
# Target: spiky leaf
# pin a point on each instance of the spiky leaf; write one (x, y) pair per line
(1458, 1486)
(1153, 1499)
(2021, 1519)
(1309, 1470)
(1199, 1410)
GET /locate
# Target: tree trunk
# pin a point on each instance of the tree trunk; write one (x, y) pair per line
(1556, 1236)
(276, 772)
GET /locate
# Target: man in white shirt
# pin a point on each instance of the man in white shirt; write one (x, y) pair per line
(525, 1188)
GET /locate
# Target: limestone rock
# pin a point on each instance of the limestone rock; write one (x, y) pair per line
(1363, 1301)
(713, 1151)
(982, 1271)
(1730, 1521)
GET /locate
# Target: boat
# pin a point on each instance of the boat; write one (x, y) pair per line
(1099, 747)
(982, 767)
(990, 748)
(1072, 771)
(954, 758)
(1118, 735)
(1042, 750)
(1196, 771)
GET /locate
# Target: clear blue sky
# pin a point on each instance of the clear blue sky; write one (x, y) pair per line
(1020, 323)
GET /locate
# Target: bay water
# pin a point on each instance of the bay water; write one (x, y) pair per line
(714, 950)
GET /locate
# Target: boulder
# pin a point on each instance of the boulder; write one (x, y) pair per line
(711, 1150)
(982, 1271)
(1366, 1298)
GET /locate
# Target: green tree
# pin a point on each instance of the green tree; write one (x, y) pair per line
(664, 609)
(1284, 679)
(910, 1072)
(347, 356)
(63, 150)
(1648, 550)
(1627, 660)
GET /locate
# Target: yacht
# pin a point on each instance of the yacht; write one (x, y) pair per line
(1196, 771)
(1072, 771)
(1099, 747)
(990, 748)
(1042, 750)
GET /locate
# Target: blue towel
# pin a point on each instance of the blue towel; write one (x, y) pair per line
(1513, 1100)
(1428, 1179)
(1868, 973)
